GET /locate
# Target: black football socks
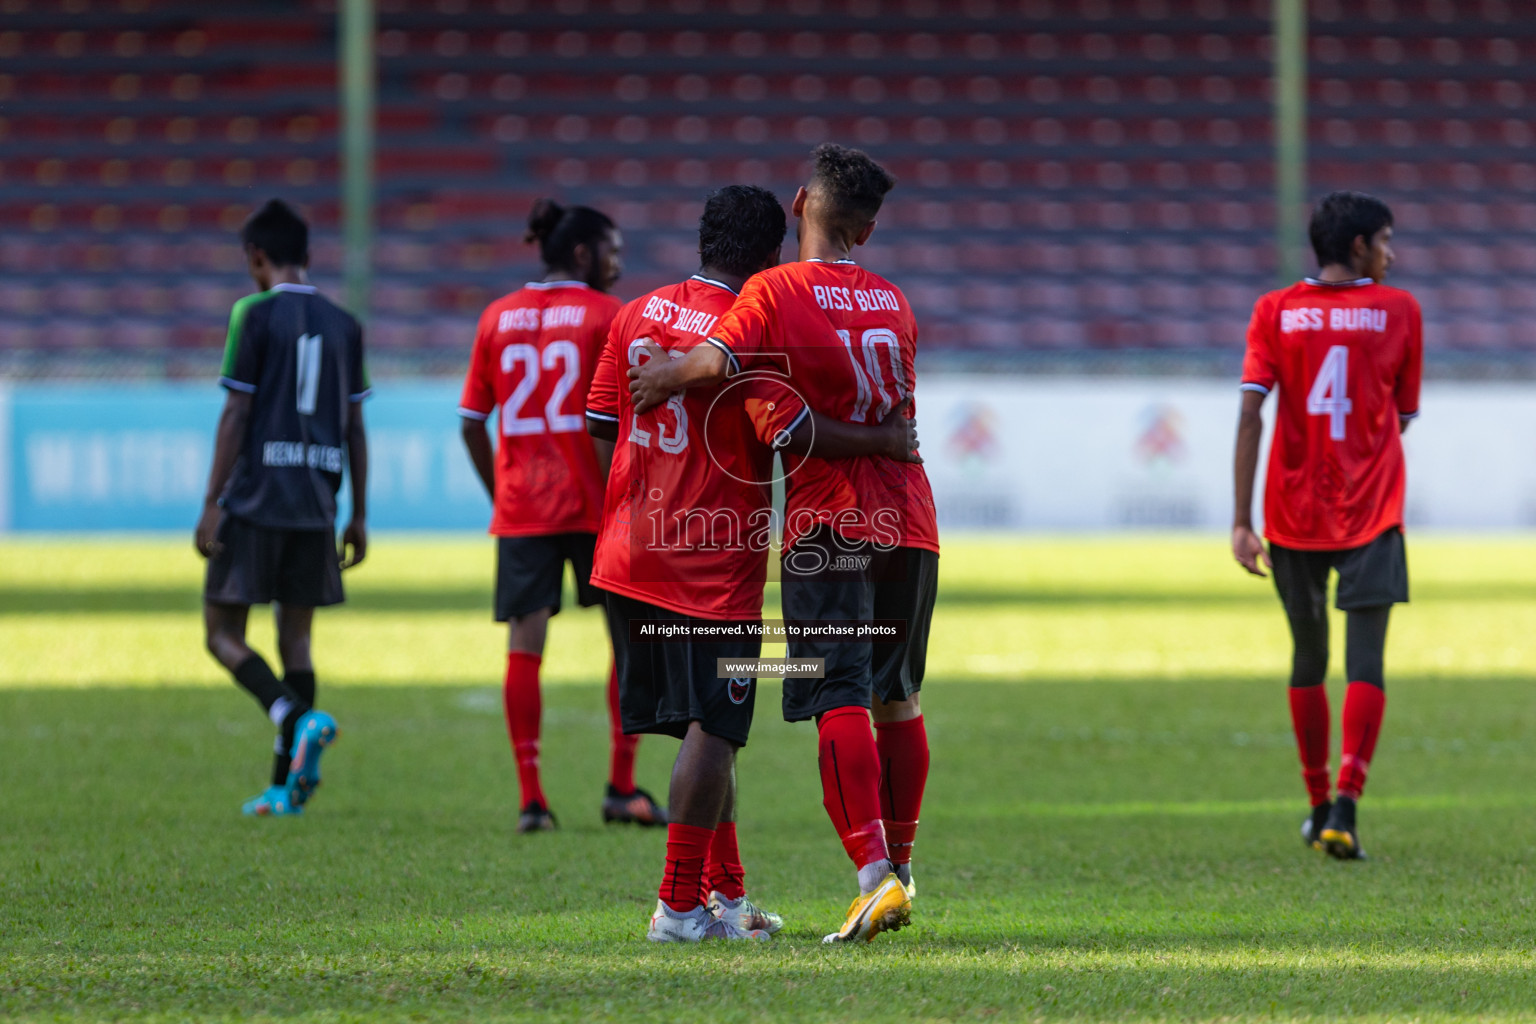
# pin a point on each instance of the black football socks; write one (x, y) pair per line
(281, 703)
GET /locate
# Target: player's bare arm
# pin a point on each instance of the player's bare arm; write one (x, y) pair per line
(226, 451)
(478, 442)
(603, 430)
(1247, 548)
(354, 539)
(825, 437)
(658, 377)
(603, 447)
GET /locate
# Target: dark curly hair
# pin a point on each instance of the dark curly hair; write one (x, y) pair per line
(279, 232)
(560, 229)
(1342, 217)
(741, 230)
(850, 185)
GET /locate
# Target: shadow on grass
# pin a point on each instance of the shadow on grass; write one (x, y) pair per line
(55, 600)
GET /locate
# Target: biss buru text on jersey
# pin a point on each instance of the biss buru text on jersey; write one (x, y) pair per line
(527, 318)
(1339, 318)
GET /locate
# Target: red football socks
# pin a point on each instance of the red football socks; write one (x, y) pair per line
(1363, 708)
(621, 765)
(850, 783)
(903, 750)
(723, 869)
(520, 701)
(1311, 721)
(683, 881)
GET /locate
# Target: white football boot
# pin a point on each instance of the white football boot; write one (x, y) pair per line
(696, 925)
(744, 914)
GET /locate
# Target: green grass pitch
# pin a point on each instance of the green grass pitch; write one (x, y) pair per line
(1110, 830)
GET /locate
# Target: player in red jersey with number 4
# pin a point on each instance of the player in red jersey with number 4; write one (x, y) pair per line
(1345, 353)
(534, 356)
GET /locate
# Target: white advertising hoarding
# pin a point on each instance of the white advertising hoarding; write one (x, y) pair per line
(1087, 453)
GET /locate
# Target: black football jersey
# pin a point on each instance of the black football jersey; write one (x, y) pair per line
(300, 358)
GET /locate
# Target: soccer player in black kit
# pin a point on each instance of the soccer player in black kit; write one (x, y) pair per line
(293, 368)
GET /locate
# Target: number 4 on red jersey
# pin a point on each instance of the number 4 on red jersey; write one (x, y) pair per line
(1346, 360)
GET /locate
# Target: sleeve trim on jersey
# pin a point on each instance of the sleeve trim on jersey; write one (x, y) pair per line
(723, 347)
(783, 437)
(360, 395)
(593, 414)
(1409, 415)
(237, 385)
(474, 414)
(1258, 388)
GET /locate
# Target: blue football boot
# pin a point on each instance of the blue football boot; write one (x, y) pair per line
(316, 731)
(275, 802)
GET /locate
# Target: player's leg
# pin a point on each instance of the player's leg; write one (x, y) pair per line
(1372, 578)
(243, 573)
(817, 589)
(680, 681)
(725, 876)
(906, 592)
(1364, 704)
(522, 704)
(701, 781)
(314, 730)
(1301, 578)
(528, 577)
(310, 577)
(294, 626)
(623, 800)
(814, 592)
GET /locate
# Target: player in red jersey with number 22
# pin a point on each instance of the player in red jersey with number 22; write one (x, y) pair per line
(1345, 353)
(534, 356)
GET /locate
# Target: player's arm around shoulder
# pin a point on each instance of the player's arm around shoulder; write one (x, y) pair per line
(815, 435)
(656, 378)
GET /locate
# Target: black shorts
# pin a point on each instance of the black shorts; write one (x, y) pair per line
(872, 583)
(666, 684)
(530, 571)
(260, 564)
(1370, 576)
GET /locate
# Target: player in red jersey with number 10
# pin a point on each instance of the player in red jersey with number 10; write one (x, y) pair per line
(534, 356)
(684, 544)
(860, 535)
(1345, 353)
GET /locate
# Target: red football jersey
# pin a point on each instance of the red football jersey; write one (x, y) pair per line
(1347, 359)
(533, 358)
(687, 517)
(848, 340)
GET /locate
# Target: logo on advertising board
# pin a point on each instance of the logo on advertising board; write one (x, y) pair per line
(1160, 491)
(984, 496)
(1161, 444)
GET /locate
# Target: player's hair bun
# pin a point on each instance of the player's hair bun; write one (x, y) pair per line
(543, 219)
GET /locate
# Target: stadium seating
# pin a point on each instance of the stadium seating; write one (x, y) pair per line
(1076, 175)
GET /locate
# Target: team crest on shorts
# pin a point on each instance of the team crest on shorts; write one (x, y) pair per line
(740, 689)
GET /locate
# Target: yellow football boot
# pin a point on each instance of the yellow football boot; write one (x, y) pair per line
(884, 909)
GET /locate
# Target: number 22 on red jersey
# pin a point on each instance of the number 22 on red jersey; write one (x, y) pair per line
(534, 357)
